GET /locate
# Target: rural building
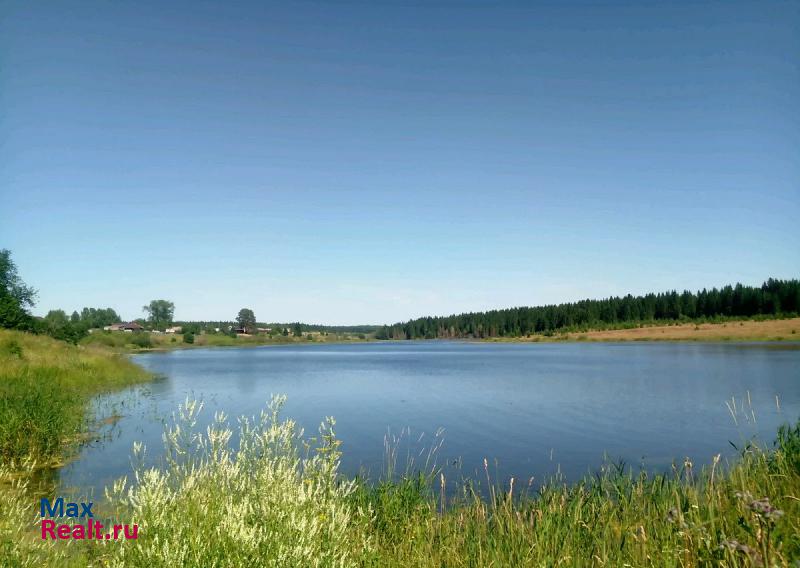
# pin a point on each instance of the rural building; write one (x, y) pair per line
(130, 326)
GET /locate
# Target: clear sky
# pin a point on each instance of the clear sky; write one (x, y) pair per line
(368, 162)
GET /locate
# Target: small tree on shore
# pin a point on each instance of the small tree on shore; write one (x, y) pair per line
(246, 320)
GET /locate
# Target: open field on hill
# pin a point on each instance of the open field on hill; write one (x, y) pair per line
(746, 330)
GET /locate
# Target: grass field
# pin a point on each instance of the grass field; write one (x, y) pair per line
(731, 330)
(746, 330)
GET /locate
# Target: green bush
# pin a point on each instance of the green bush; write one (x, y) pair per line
(188, 338)
(141, 340)
(113, 339)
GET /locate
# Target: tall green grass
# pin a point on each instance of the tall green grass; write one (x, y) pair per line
(45, 386)
(278, 500)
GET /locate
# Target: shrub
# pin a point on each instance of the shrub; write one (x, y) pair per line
(141, 340)
(188, 337)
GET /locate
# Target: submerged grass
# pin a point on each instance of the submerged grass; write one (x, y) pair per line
(277, 499)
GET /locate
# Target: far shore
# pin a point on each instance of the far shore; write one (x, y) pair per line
(744, 330)
(785, 330)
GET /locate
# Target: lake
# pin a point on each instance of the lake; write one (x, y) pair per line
(529, 409)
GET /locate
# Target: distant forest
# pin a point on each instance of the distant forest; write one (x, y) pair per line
(773, 298)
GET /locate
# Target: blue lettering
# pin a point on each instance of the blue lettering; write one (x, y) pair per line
(57, 510)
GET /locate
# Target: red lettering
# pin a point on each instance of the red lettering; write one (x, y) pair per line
(133, 534)
(64, 531)
(78, 532)
(47, 527)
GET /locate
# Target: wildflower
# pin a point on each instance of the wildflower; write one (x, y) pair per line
(763, 508)
(736, 546)
(674, 517)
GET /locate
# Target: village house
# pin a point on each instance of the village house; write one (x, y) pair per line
(129, 327)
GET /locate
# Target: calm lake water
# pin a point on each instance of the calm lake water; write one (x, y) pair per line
(530, 409)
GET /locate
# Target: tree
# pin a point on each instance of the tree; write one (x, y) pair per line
(159, 313)
(58, 325)
(773, 298)
(57, 318)
(246, 320)
(97, 317)
(15, 297)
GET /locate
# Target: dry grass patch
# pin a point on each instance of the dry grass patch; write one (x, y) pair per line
(774, 330)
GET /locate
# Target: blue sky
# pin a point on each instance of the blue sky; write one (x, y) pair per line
(368, 162)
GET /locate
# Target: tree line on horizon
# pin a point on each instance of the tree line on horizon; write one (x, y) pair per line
(17, 299)
(774, 297)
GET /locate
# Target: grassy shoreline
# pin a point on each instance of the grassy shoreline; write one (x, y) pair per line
(147, 342)
(45, 389)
